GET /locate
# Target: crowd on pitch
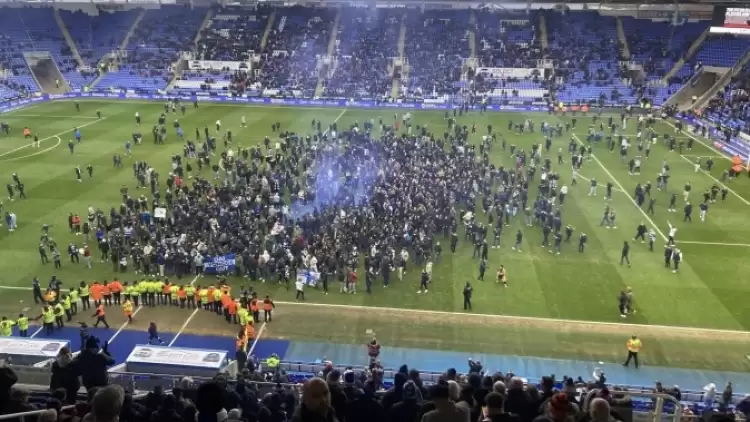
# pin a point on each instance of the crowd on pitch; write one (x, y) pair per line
(61, 306)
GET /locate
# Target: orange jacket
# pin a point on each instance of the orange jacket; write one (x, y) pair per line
(115, 286)
(96, 291)
(166, 288)
(211, 294)
(182, 294)
(106, 290)
(249, 332)
(100, 311)
(76, 220)
(232, 307)
(267, 305)
(254, 305)
(226, 300)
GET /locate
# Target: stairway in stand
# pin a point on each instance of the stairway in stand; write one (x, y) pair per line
(176, 70)
(267, 32)
(694, 47)
(401, 46)
(473, 35)
(543, 31)
(331, 50)
(69, 40)
(623, 40)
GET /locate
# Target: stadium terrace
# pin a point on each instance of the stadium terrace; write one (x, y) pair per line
(389, 212)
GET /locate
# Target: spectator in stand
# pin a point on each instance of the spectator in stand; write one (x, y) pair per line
(91, 364)
(18, 402)
(495, 409)
(395, 393)
(167, 411)
(559, 409)
(210, 403)
(65, 375)
(106, 404)
(8, 378)
(337, 396)
(316, 403)
(518, 401)
(446, 409)
(410, 405)
(600, 411)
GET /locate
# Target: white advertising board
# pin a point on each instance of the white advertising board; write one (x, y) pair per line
(178, 356)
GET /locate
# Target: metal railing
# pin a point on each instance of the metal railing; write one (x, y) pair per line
(22, 415)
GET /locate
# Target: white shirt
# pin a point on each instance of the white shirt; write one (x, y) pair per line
(564, 190)
(300, 285)
(218, 123)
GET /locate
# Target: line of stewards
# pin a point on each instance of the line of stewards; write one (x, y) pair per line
(6, 326)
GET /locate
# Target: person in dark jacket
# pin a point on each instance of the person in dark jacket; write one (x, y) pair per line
(338, 398)
(395, 393)
(409, 407)
(316, 402)
(19, 402)
(7, 379)
(518, 401)
(167, 412)
(365, 407)
(496, 410)
(65, 375)
(91, 364)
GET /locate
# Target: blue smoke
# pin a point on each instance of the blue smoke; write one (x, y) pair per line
(340, 179)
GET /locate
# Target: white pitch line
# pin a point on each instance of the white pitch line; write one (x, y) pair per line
(623, 190)
(703, 156)
(707, 145)
(588, 180)
(695, 242)
(54, 117)
(57, 144)
(717, 181)
(37, 331)
(57, 135)
(255, 342)
(122, 327)
(187, 321)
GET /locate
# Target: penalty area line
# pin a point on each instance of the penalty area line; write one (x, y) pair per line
(57, 144)
(700, 170)
(56, 135)
(696, 242)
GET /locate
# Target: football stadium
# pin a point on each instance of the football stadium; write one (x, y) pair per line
(226, 211)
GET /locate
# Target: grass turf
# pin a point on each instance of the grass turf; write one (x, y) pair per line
(708, 291)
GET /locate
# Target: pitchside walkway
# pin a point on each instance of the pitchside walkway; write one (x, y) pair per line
(530, 367)
(124, 340)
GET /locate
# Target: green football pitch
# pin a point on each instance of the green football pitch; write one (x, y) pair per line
(561, 306)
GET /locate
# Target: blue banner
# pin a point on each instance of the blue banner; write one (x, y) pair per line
(310, 278)
(223, 264)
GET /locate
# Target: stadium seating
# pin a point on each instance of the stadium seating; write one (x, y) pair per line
(436, 46)
(29, 30)
(95, 36)
(367, 41)
(299, 36)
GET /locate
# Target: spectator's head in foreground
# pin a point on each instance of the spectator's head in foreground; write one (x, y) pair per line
(495, 403)
(107, 404)
(316, 397)
(599, 410)
(209, 403)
